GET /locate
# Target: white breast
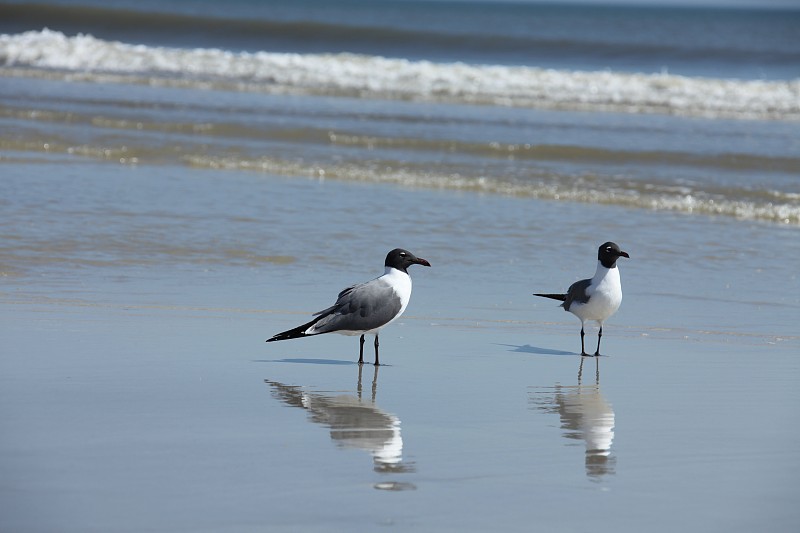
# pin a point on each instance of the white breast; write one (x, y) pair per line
(400, 282)
(605, 296)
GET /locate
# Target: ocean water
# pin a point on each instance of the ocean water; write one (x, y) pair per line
(653, 108)
(179, 180)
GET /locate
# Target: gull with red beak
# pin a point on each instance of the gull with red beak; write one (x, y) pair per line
(365, 308)
(597, 298)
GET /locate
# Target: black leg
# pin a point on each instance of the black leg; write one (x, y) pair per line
(583, 334)
(377, 363)
(361, 351)
(599, 336)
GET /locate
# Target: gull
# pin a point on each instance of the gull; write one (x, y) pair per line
(365, 308)
(597, 298)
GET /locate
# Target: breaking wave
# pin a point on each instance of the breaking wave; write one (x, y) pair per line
(53, 54)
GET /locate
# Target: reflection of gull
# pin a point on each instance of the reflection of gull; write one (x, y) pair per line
(585, 415)
(353, 422)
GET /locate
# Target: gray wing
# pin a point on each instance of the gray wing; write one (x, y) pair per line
(577, 293)
(360, 308)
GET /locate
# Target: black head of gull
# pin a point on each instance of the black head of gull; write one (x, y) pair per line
(608, 253)
(402, 259)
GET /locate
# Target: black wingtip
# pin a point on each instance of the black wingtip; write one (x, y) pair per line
(559, 297)
(286, 335)
(294, 333)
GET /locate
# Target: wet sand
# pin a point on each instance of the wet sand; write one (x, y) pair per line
(137, 393)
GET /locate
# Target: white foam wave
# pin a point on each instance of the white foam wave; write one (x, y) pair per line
(369, 76)
(783, 210)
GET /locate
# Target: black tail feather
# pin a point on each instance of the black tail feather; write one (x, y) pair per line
(559, 297)
(294, 333)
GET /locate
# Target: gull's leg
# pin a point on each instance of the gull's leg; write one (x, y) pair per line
(583, 334)
(599, 336)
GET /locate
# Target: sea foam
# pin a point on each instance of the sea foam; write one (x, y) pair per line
(52, 53)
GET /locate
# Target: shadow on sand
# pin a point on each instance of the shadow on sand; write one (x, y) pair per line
(527, 348)
(307, 361)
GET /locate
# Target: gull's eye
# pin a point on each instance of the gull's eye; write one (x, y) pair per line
(402, 254)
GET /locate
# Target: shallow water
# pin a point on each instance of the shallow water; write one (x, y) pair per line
(745, 169)
(135, 374)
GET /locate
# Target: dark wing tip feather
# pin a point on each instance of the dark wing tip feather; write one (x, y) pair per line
(559, 297)
(294, 333)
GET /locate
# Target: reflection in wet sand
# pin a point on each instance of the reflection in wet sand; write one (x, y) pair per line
(585, 415)
(355, 423)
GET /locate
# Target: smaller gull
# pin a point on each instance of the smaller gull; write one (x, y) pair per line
(597, 298)
(367, 307)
